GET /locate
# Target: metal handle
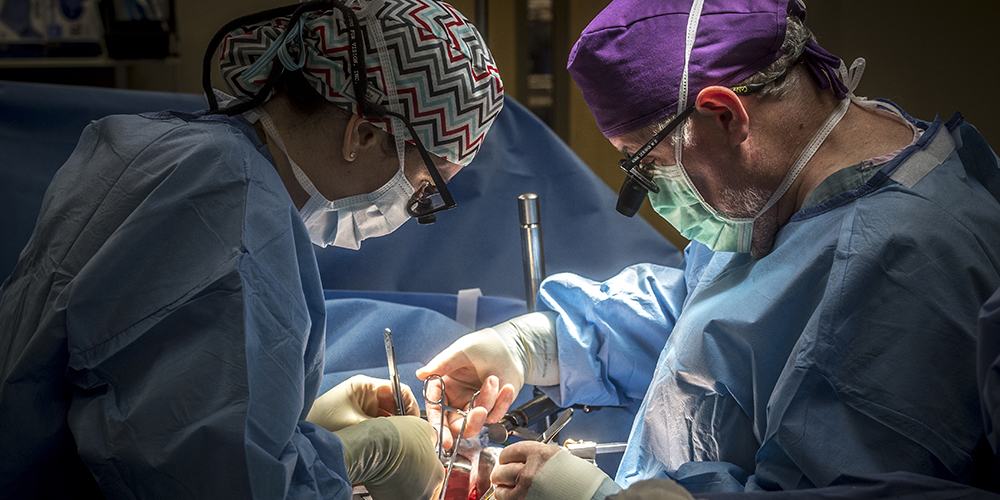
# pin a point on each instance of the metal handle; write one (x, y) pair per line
(531, 246)
(397, 391)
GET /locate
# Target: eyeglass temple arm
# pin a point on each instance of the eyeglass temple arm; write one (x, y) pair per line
(435, 175)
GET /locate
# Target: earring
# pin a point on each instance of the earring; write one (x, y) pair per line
(353, 154)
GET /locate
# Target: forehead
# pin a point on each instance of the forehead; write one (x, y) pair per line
(446, 168)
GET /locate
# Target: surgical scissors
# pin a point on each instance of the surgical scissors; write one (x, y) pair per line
(444, 407)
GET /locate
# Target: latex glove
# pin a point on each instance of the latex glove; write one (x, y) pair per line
(394, 457)
(496, 362)
(654, 489)
(535, 471)
(358, 398)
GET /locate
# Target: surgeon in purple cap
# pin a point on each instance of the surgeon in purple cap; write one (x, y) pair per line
(822, 328)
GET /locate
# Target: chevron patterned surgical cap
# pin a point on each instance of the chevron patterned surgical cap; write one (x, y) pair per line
(440, 70)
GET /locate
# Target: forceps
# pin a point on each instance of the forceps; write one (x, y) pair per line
(440, 444)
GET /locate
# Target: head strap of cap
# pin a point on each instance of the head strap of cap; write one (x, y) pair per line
(279, 52)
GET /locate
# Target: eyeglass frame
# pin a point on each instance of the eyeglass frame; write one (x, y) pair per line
(631, 163)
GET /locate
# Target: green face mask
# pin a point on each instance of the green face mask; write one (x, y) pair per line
(680, 204)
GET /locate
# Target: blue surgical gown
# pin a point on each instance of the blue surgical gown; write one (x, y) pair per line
(848, 350)
(162, 335)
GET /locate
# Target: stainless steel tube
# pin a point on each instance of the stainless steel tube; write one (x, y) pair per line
(531, 246)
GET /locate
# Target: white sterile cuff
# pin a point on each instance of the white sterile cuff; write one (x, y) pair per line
(566, 477)
(532, 339)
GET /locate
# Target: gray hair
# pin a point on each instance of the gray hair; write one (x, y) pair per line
(797, 35)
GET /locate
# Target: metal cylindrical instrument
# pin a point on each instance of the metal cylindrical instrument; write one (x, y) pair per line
(530, 413)
(531, 246)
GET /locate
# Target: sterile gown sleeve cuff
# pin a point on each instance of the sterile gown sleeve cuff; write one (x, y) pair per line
(531, 339)
(566, 477)
(608, 488)
(653, 489)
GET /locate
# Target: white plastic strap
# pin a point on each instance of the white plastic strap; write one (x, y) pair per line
(272, 132)
(692, 30)
(852, 80)
(388, 75)
(466, 308)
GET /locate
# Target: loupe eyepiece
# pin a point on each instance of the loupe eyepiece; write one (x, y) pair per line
(630, 197)
(638, 183)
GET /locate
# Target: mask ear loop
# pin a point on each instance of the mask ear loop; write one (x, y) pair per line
(388, 76)
(682, 92)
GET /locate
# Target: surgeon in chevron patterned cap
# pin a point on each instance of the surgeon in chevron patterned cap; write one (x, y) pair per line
(163, 334)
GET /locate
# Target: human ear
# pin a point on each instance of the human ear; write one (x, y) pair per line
(727, 112)
(359, 136)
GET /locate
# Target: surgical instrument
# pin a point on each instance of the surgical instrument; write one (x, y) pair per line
(531, 246)
(543, 438)
(440, 401)
(397, 391)
(517, 420)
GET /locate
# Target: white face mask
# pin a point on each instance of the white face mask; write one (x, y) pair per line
(346, 222)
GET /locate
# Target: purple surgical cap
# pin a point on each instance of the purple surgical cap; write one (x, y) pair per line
(628, 62)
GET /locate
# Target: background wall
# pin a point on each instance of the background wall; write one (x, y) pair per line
(930, 57)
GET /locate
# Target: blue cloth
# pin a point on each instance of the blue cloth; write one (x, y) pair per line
(895, 485)
(477, 245)
(39, 127)
(163, 331)
(849, 349)
(989, 368)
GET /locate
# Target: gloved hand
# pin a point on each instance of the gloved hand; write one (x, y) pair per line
(496, 362)
(535, 471)
(355, 399)
(394, 457)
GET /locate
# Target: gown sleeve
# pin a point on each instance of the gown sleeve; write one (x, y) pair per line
(611, 333)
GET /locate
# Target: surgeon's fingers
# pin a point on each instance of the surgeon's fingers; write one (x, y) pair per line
(505, 479)
(515, 453)
(518, 465)
(446, 439)
(445, 362)
(412, 407)
(387, 401)
(505, 398)
(485, 402)
(476, 416)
